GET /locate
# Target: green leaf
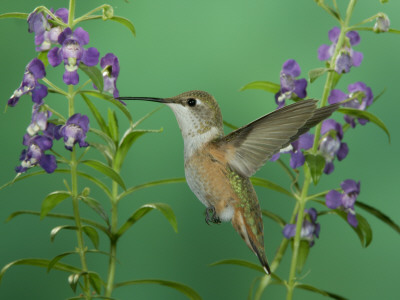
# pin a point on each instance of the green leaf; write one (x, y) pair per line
(365, 228)
(92, 235)
(106, 170)
(107, 139)
(316, 164)
(96, 114)
(113, 125)
(57, 229)
(52, 200)
(145, 117)
(128, 24)
(380, 215)
(274, 217)
(43, 57)
(95, 281)
(15, 15)
(315, 73)
(262, 85)
(57, 258)
(364, 115)
(110, 99)
(184, 289)
(38, 263)
(322, 292)
(270, 185)
(96, 206)
(96, 181)
(94, 74)
(302, 255)
(165, 209)
(150, 184)
(335, 79)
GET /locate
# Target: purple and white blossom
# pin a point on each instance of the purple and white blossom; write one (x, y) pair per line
(331, 144)
(289, 84)
(39, 120)
(347, 56)
(74, 131)
(34, 70)
(73, 53)
(309, 229)
(35, 155)
(345, 201)
(366, 100)
(382, 23)
(297, 158)
(110, 65)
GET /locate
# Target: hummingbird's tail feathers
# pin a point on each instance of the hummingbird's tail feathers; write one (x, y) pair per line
(260, 253)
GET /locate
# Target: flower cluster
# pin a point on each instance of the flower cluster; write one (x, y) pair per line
(309, 229)
(289, 84)
(345, 201)
(347, 56)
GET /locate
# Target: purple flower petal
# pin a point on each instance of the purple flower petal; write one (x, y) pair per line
(343, 63)
(333, 199)
(81, 35)
(300, 88)
(38, 93)
(343, 151)
(354, 37)
(350, 186)
(297, 159)
(275, 156)
(351, 218)
(62, 13)
(306, 141)
(329, 168)
(336, 96)
(36, 67)
(334, 34)
(324, 52)
(330, 124)
(91, 57)
(64, 35)
(54, 56)
(71, 77)
(291, 67)
(357, 58)
(312, 212)
(289, 230)
(43, 142)
(48, 163)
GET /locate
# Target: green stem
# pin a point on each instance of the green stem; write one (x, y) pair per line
(55, 88)
(71, 100)
(85, 16)
(54, 19)
(71, 13)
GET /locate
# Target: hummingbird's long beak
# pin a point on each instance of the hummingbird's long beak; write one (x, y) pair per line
(161, 100)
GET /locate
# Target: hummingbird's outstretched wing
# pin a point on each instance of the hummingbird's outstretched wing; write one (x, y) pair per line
(250, 146)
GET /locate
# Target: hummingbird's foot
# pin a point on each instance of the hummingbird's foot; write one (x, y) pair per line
(211, 216)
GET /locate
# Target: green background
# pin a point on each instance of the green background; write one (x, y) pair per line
(217, 46)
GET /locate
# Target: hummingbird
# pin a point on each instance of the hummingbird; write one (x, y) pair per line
(218, 166)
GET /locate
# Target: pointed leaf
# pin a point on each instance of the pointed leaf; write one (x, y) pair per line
(128, 24)
(270, 185)
(38, 263)
(184, 289)
(110, 99)
(302, 255)
(92, 235)
(362, 114)
(335, 80)
(96, 206)
(106, 170)
(322, 292)
(165, 209)
(145, 117)
(15, 15)
(43, 57)
(106, 138)
(95, 281)
(262, 85)
(316, 164)
(365, 228)
(57, 229)
(274, 217)
(103, 149)
(96, 181)
(315, 73)
(96, 114)
(113, 125)
(380, 215)
(52, 200)
(94, 74)
(58, 258)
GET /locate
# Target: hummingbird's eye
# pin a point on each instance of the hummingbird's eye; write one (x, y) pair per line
(191, 102)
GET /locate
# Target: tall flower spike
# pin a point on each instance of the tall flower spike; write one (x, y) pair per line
(289, 84)
(345, 201)
(34, 70)
(73, 53)
(34, 155)
(347, 56)
(74, 131)
(366, 98)
(309, 229)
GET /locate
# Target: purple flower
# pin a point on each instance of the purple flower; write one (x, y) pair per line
(331, 144)
(39, 120)
(309, 230)
(345, 201)
(72, 53)
(46, 33)
(347, 56)
(290, 85)
(297, 158)
(382, 23)
(110, 65)
(34, 155)
(364, 100)
(74, 131)
(34, 70)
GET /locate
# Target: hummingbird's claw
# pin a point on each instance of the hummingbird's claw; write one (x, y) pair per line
(211, 216)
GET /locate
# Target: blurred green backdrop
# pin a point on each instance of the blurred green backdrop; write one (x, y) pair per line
(217, 46)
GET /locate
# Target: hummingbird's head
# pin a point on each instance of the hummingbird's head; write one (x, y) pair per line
(197, 113)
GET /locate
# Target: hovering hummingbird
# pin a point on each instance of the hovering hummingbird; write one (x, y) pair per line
(218, 167)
